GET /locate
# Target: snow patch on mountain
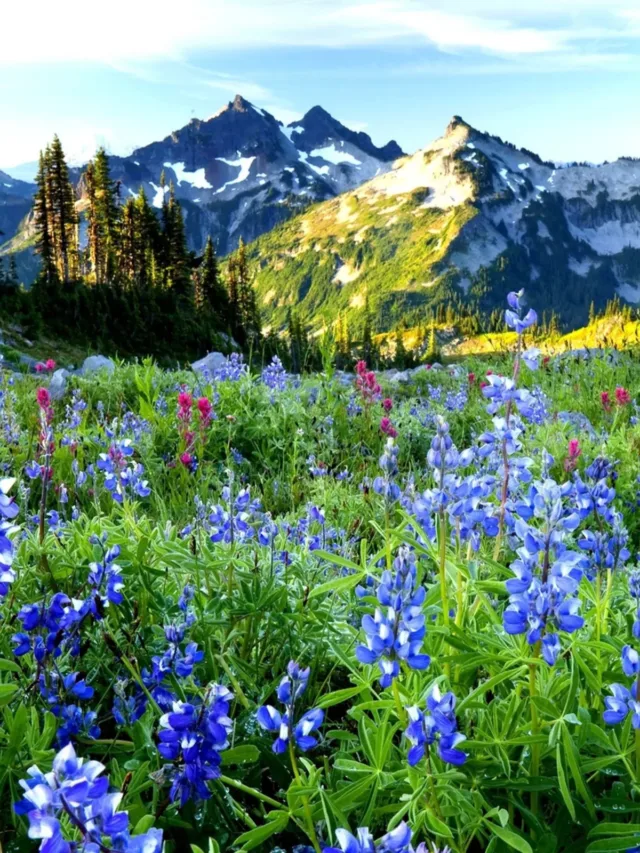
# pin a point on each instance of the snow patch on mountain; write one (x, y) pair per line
(197, 178)
(243, 163)
(333, 155)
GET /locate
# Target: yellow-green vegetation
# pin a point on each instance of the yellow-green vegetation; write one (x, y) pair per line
(361, 246)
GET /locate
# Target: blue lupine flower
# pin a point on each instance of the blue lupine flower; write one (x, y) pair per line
(291, 729)
(350, 844)
(621, 703)
(192, 738)
(8, 507)
(396, 630)
(438, 725)
(7, 553)
(77, 789)
(398, 840)
(513, 315)
(386, 485)
(274, 376)
(530, 357)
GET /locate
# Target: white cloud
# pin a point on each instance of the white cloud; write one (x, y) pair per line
(57, 31)
(356, 125)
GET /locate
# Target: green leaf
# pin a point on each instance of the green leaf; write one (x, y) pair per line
(276, 822)
(337, 584)
(338, 696)
(564, 788)
(489, 684)
(144, 824)
(572, 760)
(245, 754)
(614, 829)
(517, 842)
(607, 845)
(7, 692)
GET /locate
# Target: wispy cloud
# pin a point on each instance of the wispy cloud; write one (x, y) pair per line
(56, 32)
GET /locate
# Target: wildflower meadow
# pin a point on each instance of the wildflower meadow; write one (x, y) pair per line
(246, 610)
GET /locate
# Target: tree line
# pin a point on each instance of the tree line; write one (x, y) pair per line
(116, 275)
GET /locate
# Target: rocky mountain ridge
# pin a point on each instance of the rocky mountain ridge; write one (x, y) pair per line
(460, 222)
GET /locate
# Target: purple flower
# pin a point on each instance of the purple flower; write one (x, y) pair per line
(289, 727)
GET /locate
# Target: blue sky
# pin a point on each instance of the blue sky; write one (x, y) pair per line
(561, 78)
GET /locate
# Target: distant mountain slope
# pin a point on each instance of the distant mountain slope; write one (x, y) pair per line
(463, 220)
(15, 203)
(238, 173)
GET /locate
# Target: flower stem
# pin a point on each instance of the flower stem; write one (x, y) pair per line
(443, 579)
(311, 832)
(535, 747)
(399, 709)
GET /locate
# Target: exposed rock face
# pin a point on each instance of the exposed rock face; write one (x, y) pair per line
(237, 174)
(465, 219)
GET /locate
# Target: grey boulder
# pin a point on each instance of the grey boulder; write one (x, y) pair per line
(95, 363)
(210, 363)
(58, 384)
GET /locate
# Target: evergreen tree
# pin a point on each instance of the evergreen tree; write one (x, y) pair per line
(103, 219)
(12, 276)
(592, 313)
(62, 213)
(48, 274)
(433, 353)
(367, 334)
(400, 354)
(250, 316)
(213, 297)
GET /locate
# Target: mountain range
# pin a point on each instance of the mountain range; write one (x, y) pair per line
(335, 222)
(460, 222)
(238, 173)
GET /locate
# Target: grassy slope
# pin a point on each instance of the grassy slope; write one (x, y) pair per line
(391, 247)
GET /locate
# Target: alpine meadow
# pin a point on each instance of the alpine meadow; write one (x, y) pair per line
(320, 438)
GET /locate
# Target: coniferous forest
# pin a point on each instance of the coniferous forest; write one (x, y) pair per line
(117, 275)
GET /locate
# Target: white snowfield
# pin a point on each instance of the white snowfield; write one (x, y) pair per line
(583, 189)
(335, 155)
(243, 163)
(197, 179)
(159, 195)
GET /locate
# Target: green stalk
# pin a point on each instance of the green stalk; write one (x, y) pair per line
(311, 832)
(251, 791)
(399, 709)
(535, 747)
(443, 581)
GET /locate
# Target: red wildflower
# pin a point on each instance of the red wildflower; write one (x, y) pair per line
(483, 384)
(387, 404)
(427, 367)
(366, 383)
(50, 364)
(471, 377)
(546, 359)
(186, 459)
(571, 461)
(605, 399)
(206, 410)
(39, 367)
(43, 398)
(623, 397)
(387, 428)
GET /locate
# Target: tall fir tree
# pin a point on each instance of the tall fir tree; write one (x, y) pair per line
(213, 297)
(62, 213)
(48, 275)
